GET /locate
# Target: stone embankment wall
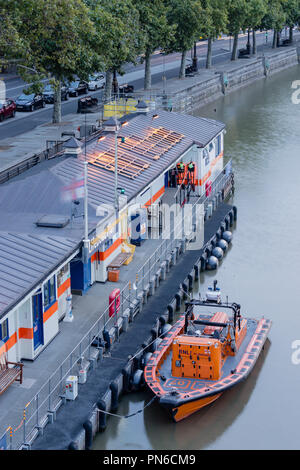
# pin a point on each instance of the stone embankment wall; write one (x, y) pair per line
(194, 93)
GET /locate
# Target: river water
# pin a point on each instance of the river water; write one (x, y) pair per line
(260, 271)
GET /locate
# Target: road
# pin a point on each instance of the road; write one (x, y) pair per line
(161, 65)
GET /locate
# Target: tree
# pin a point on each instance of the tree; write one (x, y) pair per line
(292, 12)
(119, 37)
(11, 45)
(188, 17)
(256, 11)
(237, 13)
(58, 37)
(275, 19)
(155, 30)
(218, 25)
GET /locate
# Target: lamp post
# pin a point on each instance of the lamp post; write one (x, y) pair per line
(195, 60)
(112, 125)
(116, 171)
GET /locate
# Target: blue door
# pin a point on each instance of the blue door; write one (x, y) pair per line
(37, 317)
(166, 179)
(80, 276)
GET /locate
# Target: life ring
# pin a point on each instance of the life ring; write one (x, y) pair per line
(114, 302)
(208, 188)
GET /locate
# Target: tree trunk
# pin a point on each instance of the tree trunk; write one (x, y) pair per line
(147, 77)
(254, 48)
(195, 59)
(278, 38)
(274, 39)
(235, 46)
(56, 117)
(291, 37)
(248, 41)
(115, 82)
(182, 65)
(209, 53)
(108, 86)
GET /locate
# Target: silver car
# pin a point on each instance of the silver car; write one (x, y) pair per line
(96, 81)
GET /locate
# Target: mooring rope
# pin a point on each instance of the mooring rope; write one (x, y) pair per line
(132, 414)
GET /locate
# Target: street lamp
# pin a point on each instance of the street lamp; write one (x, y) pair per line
(113, 125)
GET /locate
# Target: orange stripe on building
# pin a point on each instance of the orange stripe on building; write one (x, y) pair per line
(25, 333)
(105, 254)
(155, 197)
(94, 257)
(11, 341)
(51, 310)
(202, 181)
(65, 285)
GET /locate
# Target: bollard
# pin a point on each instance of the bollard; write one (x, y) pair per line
(125, 321)
(235, 212)
(190, 281)
(197, 270)
(203, 260)
(114, 396)
(178, 297)
(101, 405)
(73, 446)
(107, 339)
(87, 425)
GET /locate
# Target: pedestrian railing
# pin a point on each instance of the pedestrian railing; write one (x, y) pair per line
(15, 170)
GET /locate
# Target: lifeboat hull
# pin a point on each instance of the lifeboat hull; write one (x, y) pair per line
(181, 412)
(183, 396)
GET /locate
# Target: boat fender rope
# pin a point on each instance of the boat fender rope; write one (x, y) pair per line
(132, 414)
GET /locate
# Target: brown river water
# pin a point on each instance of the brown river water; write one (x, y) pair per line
(260, 271)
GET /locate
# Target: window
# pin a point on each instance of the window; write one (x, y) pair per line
(211, 146)
(206, 156)
(49, 293)
(4, 330)
(218, 145)
(60, 276)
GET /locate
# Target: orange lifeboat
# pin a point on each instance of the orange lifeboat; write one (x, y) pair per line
(204, 355)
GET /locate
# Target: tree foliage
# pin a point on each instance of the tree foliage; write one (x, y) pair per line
(59, 39)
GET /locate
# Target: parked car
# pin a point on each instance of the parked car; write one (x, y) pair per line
(96, 81)
(87, 104)
(7, 109)
(78, 87)
(125, 89)
(48, 93)
(30, 102)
